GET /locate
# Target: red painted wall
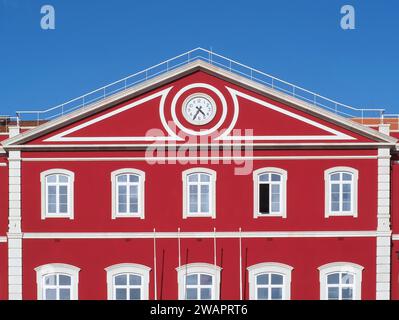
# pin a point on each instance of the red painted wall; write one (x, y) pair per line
(304, 255)
(234, 198)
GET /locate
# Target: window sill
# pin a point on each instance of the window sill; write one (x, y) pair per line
(128, 216)
(45, 217)
(353, 215)
(280, 215)
(199, 215)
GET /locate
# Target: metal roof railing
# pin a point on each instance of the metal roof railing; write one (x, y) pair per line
(209, 57)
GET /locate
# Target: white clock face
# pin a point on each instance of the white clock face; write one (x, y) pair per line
(199, 109)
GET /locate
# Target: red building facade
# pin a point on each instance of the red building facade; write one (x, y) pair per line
(199, 184)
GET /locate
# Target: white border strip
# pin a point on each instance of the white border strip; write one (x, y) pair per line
(3, 239)
(153, 159)
(395, 237)
(210, 235)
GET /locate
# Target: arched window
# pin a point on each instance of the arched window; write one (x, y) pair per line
(270, 192)
(199, 281)
(341, 191)
(128, 193)
(270, 281)
(57, 281)
(199, 193)
(57, 193)
(340, 281)
(127, 281)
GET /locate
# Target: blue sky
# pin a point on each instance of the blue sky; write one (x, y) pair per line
(97, 42)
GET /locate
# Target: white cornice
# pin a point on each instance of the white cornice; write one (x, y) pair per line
(184, 70)
(192, 235)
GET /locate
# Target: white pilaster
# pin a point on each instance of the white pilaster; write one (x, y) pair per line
(383, 259)
(14, 224)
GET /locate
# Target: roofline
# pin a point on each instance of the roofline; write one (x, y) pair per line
(178, 73)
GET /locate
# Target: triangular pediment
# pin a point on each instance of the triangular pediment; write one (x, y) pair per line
(242, 110)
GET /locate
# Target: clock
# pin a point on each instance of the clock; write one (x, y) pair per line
(199, 109)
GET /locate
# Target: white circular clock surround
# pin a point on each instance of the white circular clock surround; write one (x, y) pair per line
(199, 109)
(201, 132)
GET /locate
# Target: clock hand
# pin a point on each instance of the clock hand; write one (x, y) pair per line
(196, 114)
(200, 110)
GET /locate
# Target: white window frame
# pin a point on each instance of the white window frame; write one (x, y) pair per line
(141, 191)
(44, 198)
(283, 192)
(327, 178)
(270, 267)
(133, 268)
(212, 193)
(348, 267)
(204, 268)
(57, 268)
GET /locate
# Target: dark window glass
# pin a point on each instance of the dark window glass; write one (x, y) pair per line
(264, 198)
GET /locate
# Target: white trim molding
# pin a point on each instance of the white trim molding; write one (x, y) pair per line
(270, 268)
(383, 249)
(204, 235)
(212, 192)
(141, 193)
(57, 268)
(128, 268)
(70, 194)
(283, 191)
(199, 268)
(328, 212)
(14, 224)
(341, 267)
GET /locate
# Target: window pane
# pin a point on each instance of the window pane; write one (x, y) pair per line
(65, 294)
(206, 294)
(50, 294)
(52, 178)
(205, 198)
(275, 207)
(63, 199)
(50, 280)
(277, 293)
(346, 278)
(346, 206)
(63, 178)
(193, 190)
(133, 178)
(191, 294)
(262, 279)
(277, 279)
(193, 178)
(346, 187)
(52, 190)
(335, 187)
(333, 278)
(264, 198)
(121, 280)
(276, 177)
(192, 279)
(205, 178)
(134, 280)
(335, 206)
(63, 208)
(134, 204)
(64, 280)
(52, 208)
(135, 294)
(263, 294)
(122, 178)
(333, 293)
(120, 294)
(205, 279)
(347, 293)
(335, 177)
(64, 190)
(346, 176)
(264, 177)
